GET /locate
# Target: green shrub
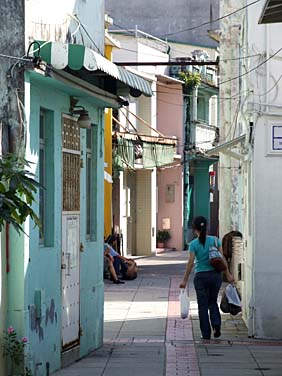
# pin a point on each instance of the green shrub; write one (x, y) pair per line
(17, 189)
(163, 236)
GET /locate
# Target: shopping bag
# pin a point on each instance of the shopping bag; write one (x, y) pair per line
(184, 303)
(232, 295)
(224, 305)
(231, 301)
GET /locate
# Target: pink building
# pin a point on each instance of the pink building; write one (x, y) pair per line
(170, 179)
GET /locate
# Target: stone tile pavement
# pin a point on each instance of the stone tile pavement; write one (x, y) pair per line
(144, 335)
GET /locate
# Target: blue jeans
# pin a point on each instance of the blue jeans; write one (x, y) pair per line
(207, 285)
(120, 266)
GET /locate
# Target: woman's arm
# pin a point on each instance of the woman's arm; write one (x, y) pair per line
(189, 268)
(229, 276)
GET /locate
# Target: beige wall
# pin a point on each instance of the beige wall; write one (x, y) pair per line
(143, 213)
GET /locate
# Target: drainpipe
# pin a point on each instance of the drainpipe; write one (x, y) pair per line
(194, 115)
(7, 247)
(191, 115)
(187, 127)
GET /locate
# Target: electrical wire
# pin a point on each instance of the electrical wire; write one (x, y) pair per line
(268, 91)
(14, 58)
(172, 146)
(251, 70)
(124, 28)
(176, 50)
(222, 99)
(74, 16)
(211, 21)
(78, 28)
(186, 54)
(230, 59)
(240, 58)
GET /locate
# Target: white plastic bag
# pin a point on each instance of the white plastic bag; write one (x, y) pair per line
(184, 303)
(232, 295)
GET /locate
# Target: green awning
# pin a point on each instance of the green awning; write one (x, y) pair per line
(76, 57)
(272, 12)
(153, 154)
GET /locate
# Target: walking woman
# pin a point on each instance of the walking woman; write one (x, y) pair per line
(207, 281)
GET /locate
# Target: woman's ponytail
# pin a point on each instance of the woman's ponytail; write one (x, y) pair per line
(200, 224)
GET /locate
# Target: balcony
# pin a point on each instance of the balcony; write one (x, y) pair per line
(206, 136)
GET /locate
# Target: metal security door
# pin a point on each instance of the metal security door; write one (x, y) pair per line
(70, 232)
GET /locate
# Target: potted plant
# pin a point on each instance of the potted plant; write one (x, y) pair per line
(162, 237)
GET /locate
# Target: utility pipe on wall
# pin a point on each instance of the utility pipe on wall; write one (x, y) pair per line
(187, 126)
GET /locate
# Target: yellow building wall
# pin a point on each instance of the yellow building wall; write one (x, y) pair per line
(108, 162)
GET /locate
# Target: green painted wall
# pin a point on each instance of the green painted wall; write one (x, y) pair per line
(203, 108)
(35, 267)
(201, 189)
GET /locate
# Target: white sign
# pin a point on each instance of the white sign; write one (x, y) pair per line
(166, 223)
(277, 137)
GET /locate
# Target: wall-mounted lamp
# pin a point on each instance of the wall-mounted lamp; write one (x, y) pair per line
(84, 121)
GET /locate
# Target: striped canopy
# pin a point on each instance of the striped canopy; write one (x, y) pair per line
(76, 56)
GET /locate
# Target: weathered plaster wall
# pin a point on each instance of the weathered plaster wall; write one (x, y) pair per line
(231, 196)
(59, 21)
(229, 109)
(158, 19)
(12, 44)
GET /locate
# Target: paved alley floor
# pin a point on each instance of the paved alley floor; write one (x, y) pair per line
(144, 335)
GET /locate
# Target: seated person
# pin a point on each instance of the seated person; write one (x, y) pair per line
(124, 267)
(109, 268)
(131, 272)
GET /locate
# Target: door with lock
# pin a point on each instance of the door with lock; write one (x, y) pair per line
(70, 232)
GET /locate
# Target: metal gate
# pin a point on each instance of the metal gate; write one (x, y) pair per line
(70, 232)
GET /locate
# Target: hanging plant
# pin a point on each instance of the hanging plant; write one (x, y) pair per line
(191, 79)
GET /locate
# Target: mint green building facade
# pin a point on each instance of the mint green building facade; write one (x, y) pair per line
(35, 277)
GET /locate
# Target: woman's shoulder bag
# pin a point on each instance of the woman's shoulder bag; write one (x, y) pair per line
(216, 257)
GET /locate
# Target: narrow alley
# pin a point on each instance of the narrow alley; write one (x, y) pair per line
(144, 334)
